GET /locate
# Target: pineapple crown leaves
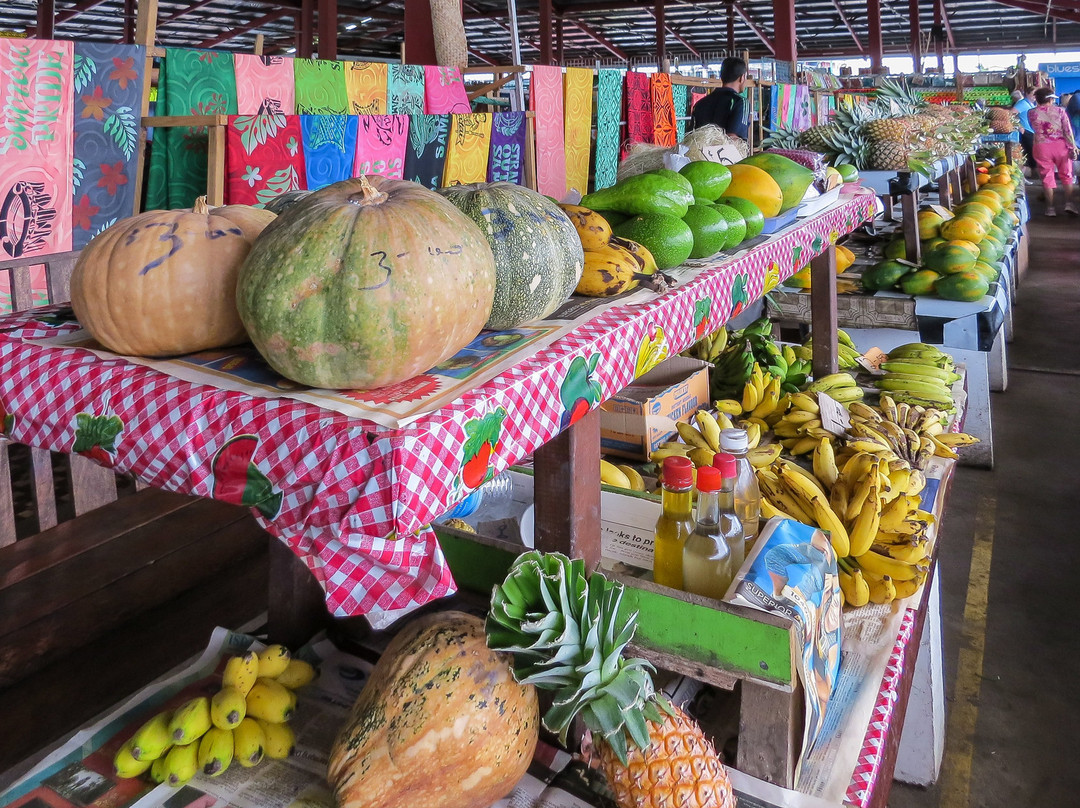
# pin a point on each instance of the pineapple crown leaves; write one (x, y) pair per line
(566, 635)
(782, 137)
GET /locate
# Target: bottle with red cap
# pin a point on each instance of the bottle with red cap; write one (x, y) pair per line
(713, 551)
(675, 522)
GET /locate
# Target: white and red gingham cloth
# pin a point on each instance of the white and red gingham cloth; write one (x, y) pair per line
(357, 499)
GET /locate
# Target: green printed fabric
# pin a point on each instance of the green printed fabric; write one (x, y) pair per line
(194, 83)
(682, 98)
(320, 87)
(608, 110)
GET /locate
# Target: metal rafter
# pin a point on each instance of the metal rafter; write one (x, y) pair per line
(602, 41)
(750, 21)
(679, 37)
(847, 24)
(258, 22)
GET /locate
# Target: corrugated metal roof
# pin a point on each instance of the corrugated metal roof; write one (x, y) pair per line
(694, 29)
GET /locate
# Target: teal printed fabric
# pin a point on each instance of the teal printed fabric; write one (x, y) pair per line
(608, 109)
(108, 85)
(425, 157)
(329, 148)
(405, 90)
(682, 97)
(196, 83)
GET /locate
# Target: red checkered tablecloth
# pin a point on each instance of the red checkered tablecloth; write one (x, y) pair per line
(350, 497)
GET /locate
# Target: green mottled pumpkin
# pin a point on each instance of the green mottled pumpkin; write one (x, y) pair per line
(365, 283)
(440, 723)
(538, 255)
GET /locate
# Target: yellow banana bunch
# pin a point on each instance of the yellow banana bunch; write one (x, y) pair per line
(613, 475)
(710, 429)
(811, 495)
(912, 432)
(853, 585)
(609, 271)
(825, 463)
(761, 456)
(882, 590)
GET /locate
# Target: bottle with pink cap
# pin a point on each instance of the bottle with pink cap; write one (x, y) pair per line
(713, 551)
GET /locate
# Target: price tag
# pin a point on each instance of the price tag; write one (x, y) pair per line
(834, 418)
(872, 359)
(728, 155)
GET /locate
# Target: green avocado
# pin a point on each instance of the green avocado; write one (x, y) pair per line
(709, 228)
(643, 194)
(667, 237)
(736, 225)
(709, 179)
(751, 213)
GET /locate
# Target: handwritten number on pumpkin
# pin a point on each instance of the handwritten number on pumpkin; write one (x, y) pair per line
(389, 270)
(169, 237)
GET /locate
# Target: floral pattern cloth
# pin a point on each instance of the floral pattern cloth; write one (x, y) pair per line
(108, 91)
(264, 157)
(1051, 123)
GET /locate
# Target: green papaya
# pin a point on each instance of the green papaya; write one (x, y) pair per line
(967, 287)
(884, 275)
(792, 178)
(667, 237)
(675, 177)
(920, 282)
(642, 194)
(709, 179)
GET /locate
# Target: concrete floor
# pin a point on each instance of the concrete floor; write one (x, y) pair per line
(1012, 646)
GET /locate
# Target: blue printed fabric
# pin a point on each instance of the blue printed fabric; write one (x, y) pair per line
(329, 148)
(108, 90)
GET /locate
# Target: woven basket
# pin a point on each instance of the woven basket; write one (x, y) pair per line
(451, 48)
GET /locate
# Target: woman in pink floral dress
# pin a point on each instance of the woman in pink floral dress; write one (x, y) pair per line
(1054, 148)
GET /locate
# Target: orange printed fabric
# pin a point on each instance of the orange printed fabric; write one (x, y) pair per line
(577, 126)
(366, 84)
(663, 106)
(467, 151)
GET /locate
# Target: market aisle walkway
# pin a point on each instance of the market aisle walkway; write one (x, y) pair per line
(1012, 649)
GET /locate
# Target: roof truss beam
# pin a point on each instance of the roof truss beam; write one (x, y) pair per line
(750, 21)
(258, 22)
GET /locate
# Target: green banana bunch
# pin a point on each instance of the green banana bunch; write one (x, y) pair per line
(731, 371)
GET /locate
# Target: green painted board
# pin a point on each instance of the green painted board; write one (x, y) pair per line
(735, 643)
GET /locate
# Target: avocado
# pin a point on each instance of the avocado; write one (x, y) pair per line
(667, 237)
(709, 228)
(642, 194)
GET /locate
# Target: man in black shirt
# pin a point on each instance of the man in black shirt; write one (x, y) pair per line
(723, 107)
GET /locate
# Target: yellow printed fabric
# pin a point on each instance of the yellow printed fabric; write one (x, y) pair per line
(467, 151)
(577, 126)
(365, 83)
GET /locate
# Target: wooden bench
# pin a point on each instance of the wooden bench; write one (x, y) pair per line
(92, 561)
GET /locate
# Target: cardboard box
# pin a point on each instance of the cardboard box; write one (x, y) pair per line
(642, 415)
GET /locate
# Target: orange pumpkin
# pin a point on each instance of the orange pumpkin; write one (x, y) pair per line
(164, 282)
(441, 722)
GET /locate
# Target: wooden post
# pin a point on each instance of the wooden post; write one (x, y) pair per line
(823, 312)
(215, 160)
(661, 34)
(957, 186)
(730, 28)
(916, 34)
(296, 607)
(328, 22)
(129, 22)
(939, 34)
(259, 44)
(545, 32)
(305, 45)
(46, 19)
(567, 497)
(909, 210)
(559, 56)
(873, 25)
(784, 31)
(145, 34)
(770, 727)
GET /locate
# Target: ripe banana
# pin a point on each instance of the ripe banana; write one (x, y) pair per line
(918, 349)
(692, 437)
(864, 529)
(909, 553)
(882, 590)
(271, 701)
(753, 435)
(826, 518)
(608, 271)
(941, 449)
(710, 429)
(810, 478)
(866, 412)
(637, 483)
(609, 474)
(769, 399)
(768, 510)
(153, 738)
(157, 770)
(190, 721)
(804, 401)
(181, 764)
(273, 661)
(125, 764)
(249, 741)
(905, 589)
(880, 566)
(763, 455)
(278, 740)
(658, 455)
(854, 586)
(845, 395)
(783, 500)
(241, 672)
(953, 439)
(825, 463)
(833, 381)
(228, 707)
(918, 369)
(804, 445)
(729, 406)
(751, 396)
(215, 751)
(593, 229)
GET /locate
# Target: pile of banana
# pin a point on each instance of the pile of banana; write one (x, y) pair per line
(620, 476)
(904, 432)
(243, 722)
(613, 265)
(709, 347)
(799, 428)
(700, 441)
(920, 374)
(846, 352)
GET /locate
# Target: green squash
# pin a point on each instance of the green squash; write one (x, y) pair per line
(365, 283)
(538, 254)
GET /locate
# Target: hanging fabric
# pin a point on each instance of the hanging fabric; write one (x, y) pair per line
(444, 91)
(264, 84)
(577, 126)
(681, 95)
(638, 110)
(108, 89)
(609, 85)
(546, 100)
(468, 149)
(320, 87)
(426, 155)
(329, 148)
(405, 90)
(663, 109)
(366, 83)
(381, 142)
(264, 157)
(507, 157)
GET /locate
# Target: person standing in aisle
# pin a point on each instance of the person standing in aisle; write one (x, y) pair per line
(1022, 104)
(1054, 148)
(724, 106)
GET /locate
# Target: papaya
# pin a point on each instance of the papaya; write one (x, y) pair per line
(709, 228)
(884, 275)
(988, 271)
(707, 178)
(967, 287)
(844, 258)
(920, 282)
(751, 214)
(949, 258)
(930, 224)
(967, 245)
(754, 184)
(667, 237)
(991, 250)
(896, 249)
(848, 172)
(930, 243)
(792, 178)
(977, 209)
(642, 194)
(965, 228)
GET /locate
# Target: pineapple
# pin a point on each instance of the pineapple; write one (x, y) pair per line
(887, 155)
(816, 138)
(885, 129)
(565, 636)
